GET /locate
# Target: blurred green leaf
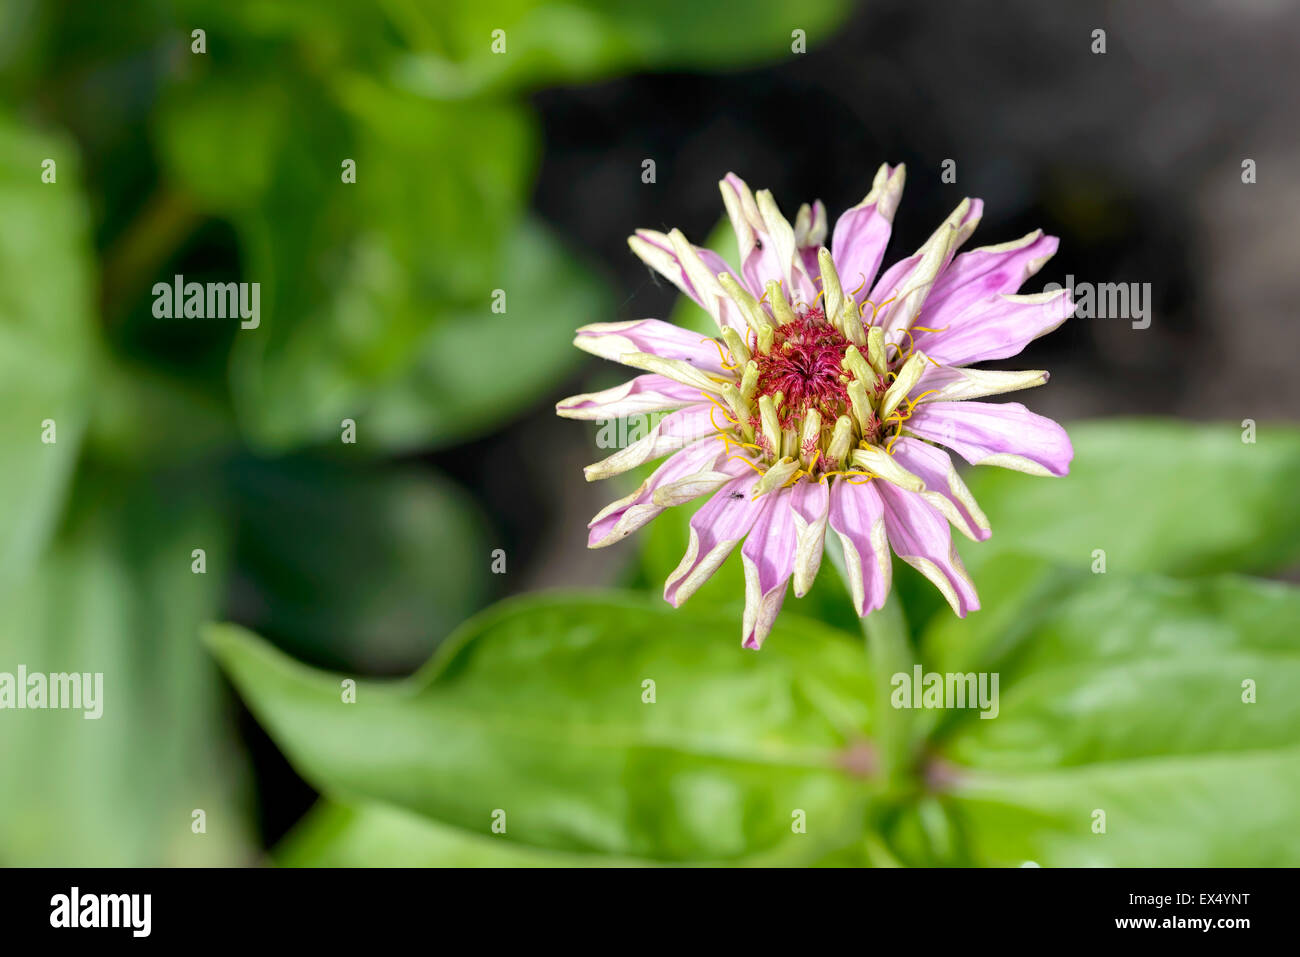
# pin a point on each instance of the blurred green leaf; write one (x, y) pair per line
(477, 368)
(378, 835)
(373, 293)
(143, 417)
(47, 338)
(357, 566)
(444, 48)
(1125, 695)
(377, 296)
(536, 709)
(1156, 496)
(583, 40)
(354, 277)
(116, 595)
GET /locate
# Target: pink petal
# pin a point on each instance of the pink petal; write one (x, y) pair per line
(716, 264)
(811, 265)
(644, 394)
(857, 516)
(743, 213)
(944, 488)
(810, 502)
(716, 529)
(810, 234)
(765, 264)
(985, 272)
(958, 383)
(674, 431)
(900, 294)
(610, 340)
(995, 327)
(919, 536)
(671, 268)
(768, 558)
(619, 519)
(1005, 434)
(768, 247)
(862, 233)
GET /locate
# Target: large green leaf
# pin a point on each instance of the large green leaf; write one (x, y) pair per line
(1155, 496)
(1125, 695)
(378, 835)
(116, 594)
(47, 338)
(536, 709)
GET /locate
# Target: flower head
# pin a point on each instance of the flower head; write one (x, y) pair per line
(826, 395)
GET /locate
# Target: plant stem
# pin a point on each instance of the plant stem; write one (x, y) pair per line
(143, 247)
(890, 652)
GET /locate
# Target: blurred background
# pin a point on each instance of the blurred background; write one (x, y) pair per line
(519, 171)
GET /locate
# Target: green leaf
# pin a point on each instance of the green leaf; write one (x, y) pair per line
(536, 709)
(1155, 496)
(476, 368)
(144, 418)
(47, 338)
(378, 835)
(116, 595)
(357, 279)
(403, 553)
(445, 47)
(589, 39)
(1126, 696)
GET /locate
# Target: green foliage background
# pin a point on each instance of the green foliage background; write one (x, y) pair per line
(1120, 691)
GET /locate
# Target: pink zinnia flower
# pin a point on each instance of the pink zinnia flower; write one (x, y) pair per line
(825, 397)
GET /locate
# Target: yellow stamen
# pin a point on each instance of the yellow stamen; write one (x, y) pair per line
(726, 413)
(715, 424)
(747, 462)
(875, 310)
(722, 358)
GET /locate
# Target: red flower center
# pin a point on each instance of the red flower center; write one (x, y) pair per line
(804, 366)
